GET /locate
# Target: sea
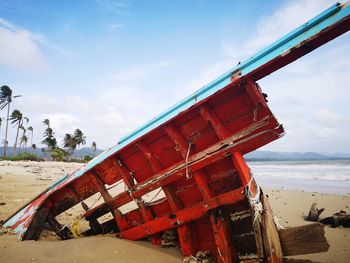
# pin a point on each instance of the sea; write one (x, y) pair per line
(326, 176)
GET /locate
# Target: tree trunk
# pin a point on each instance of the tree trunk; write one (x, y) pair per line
(15, 145)
(7, 126)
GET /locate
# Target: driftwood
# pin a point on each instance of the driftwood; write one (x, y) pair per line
(314, 213)
(338, 219)
(305, 239)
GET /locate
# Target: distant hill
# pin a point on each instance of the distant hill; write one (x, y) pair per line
(253, 156)
(294, 156)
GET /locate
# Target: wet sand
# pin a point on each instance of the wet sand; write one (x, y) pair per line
(20, 181)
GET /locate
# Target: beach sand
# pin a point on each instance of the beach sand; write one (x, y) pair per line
(21, 181)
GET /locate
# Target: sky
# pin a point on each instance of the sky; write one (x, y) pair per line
(108, 66)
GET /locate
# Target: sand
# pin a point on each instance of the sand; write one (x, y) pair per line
(20, 181)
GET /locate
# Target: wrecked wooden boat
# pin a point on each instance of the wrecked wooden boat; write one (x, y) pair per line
(184, 171)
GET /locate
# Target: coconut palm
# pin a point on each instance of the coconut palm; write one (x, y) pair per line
(46, 122)
(1, 119)
(23, 134)
(17, 119)
(30, 128)
(5, 101)
(70, 143)
(94, 146)
(24, 141)
(79, 137)
(49, 138)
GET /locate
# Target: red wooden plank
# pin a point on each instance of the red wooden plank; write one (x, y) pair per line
(254, 93)
(223, 133)
(187, 243)
(241, 167)
(118, 216)
(184, 234)
(220, 225)
(156, 166)
(214, 121)
(184, 216)
(126, 174)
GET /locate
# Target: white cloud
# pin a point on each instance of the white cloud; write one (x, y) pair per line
(18, 49)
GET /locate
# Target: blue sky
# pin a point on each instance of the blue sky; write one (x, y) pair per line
(108, 66)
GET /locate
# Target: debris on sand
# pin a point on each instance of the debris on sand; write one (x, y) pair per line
(338, 219)
(314, 213)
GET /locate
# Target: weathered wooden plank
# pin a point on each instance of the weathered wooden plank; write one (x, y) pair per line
(271, 240)
(37, 224)
(220, 226)
(305, 239)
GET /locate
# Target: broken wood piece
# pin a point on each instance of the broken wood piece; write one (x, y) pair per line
(302, 240)
(314, 213)
(271, 239)
(37, 224)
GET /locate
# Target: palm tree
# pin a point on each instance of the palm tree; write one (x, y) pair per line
(23, 134)
(30, 128)
(94, 146)
(5, 101)
(70, 143)
(49, 138)
(46, 122)
(1, 119)
(24, 141)
(79, 137)
(17, 118)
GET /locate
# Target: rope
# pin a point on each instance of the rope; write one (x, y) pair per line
(155, 195)
(75, 227)
(95, 201)
(188, 177)
(254, 201)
